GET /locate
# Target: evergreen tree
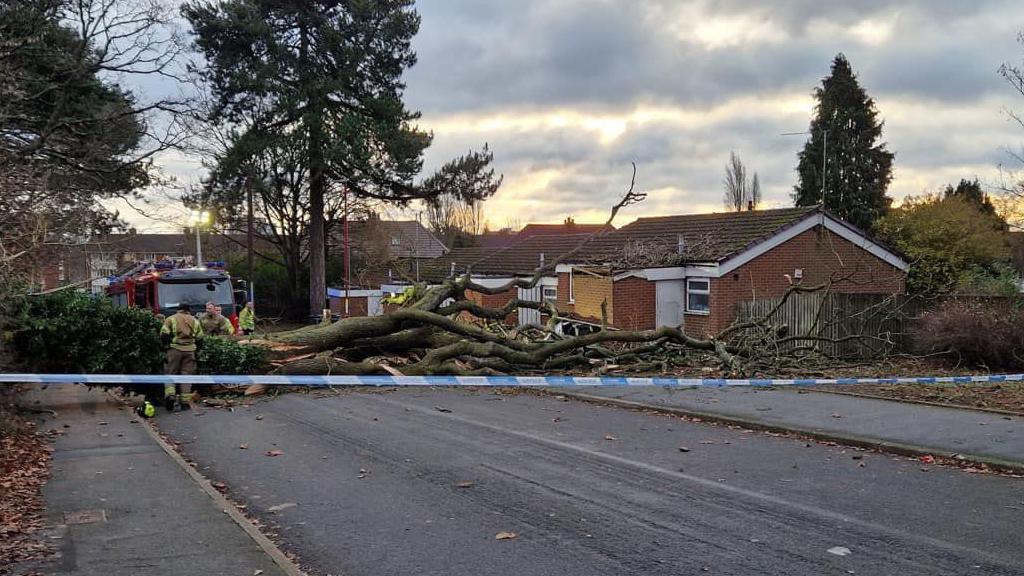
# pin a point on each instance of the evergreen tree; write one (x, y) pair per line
(327, 73)
(857, 166)
(970, 190)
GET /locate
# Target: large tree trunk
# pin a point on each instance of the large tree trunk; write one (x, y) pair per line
(317, 244)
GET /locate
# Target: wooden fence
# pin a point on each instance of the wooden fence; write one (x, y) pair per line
(854, 325)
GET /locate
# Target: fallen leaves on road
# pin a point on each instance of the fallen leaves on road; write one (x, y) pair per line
(505, 535)
(837, 415)
(684, 449)
(273, 453)
(464, 484)
(927, 459)
(609, 437)
(260, 417)
(839, 551)
(442, 409)
(243, 446)
(283, 506)
(219, 486)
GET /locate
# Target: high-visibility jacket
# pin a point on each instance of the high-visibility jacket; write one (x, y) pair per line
(247, 319)
(216, 325)
(184, 331)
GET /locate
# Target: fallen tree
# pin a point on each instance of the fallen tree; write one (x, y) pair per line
(442, 331)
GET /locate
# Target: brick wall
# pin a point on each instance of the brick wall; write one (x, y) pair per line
(633, 304)
(819, 253)
(495, 301)
(357, 306)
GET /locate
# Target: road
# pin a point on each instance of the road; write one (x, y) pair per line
(420, 481)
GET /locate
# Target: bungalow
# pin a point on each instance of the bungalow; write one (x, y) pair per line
(692, 270)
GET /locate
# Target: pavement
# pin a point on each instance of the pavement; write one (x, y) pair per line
(910, 428)
(116, 503)
(423, 481)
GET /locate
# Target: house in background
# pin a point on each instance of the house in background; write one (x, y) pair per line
(91, 262)
(693, 270)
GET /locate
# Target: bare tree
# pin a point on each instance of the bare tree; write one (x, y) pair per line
(457, 191)
(740, 194)
(71, 134)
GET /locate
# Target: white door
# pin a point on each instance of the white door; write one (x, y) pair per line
(669, 298)
(373, 306)
(529, 316)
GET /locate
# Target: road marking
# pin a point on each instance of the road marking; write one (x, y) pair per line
(703, 482)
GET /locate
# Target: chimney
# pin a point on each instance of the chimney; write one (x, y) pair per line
(541, 259)
(569, 221)
(680, 244)
(750, 205)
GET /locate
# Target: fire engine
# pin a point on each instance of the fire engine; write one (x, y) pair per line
(161, 286)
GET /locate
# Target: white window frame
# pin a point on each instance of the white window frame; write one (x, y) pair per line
(705, 291)
(396, 241)
(572, 299)
(544, 293)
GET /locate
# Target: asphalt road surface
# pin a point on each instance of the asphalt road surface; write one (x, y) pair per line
(421, 481)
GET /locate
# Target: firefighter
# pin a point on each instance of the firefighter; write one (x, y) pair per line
(214, 323)
(180, 331)
(247, 319)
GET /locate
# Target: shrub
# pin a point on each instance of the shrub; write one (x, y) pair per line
(978, 334)
(223, 356)
(71, 332)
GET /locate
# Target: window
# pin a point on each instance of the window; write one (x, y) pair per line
(550, 293)
(396, 241)
(698, 295)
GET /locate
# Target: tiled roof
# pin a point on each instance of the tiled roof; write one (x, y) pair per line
(707, 237)
(568, 228)
(519, 259)
(403, 238)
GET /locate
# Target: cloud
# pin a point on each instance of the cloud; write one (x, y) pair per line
(569, 92)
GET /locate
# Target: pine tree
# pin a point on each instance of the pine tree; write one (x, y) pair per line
(328, 74)
(857, 166)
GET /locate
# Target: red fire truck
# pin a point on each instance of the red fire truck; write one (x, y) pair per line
(162, 286)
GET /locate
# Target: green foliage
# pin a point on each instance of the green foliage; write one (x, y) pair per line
(1000, 280)
(71, 332)
(274, 293)
(970, 191)
(858, 168)
(950, 243)
(224, 356)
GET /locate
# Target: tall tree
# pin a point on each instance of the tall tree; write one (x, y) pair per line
(70, 135)
(970, 191)
(328, 74)
(458, 189)
(844, 166)
(740, 194)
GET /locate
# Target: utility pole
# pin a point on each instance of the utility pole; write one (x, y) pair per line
(348, 269)
(250, 238)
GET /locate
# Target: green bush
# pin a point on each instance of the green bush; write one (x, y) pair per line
(223, 356)
(71, 332)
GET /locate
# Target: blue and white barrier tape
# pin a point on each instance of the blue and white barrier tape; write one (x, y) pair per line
(501, 381)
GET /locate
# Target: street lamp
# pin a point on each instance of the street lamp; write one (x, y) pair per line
(199, 218)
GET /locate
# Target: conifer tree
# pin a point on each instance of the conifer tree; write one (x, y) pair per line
(845, 152)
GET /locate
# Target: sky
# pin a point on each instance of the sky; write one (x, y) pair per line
(568, 92)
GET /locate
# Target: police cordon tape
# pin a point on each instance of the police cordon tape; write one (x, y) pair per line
(497, 381)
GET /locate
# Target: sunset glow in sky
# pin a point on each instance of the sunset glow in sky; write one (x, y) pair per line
(568, 92)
